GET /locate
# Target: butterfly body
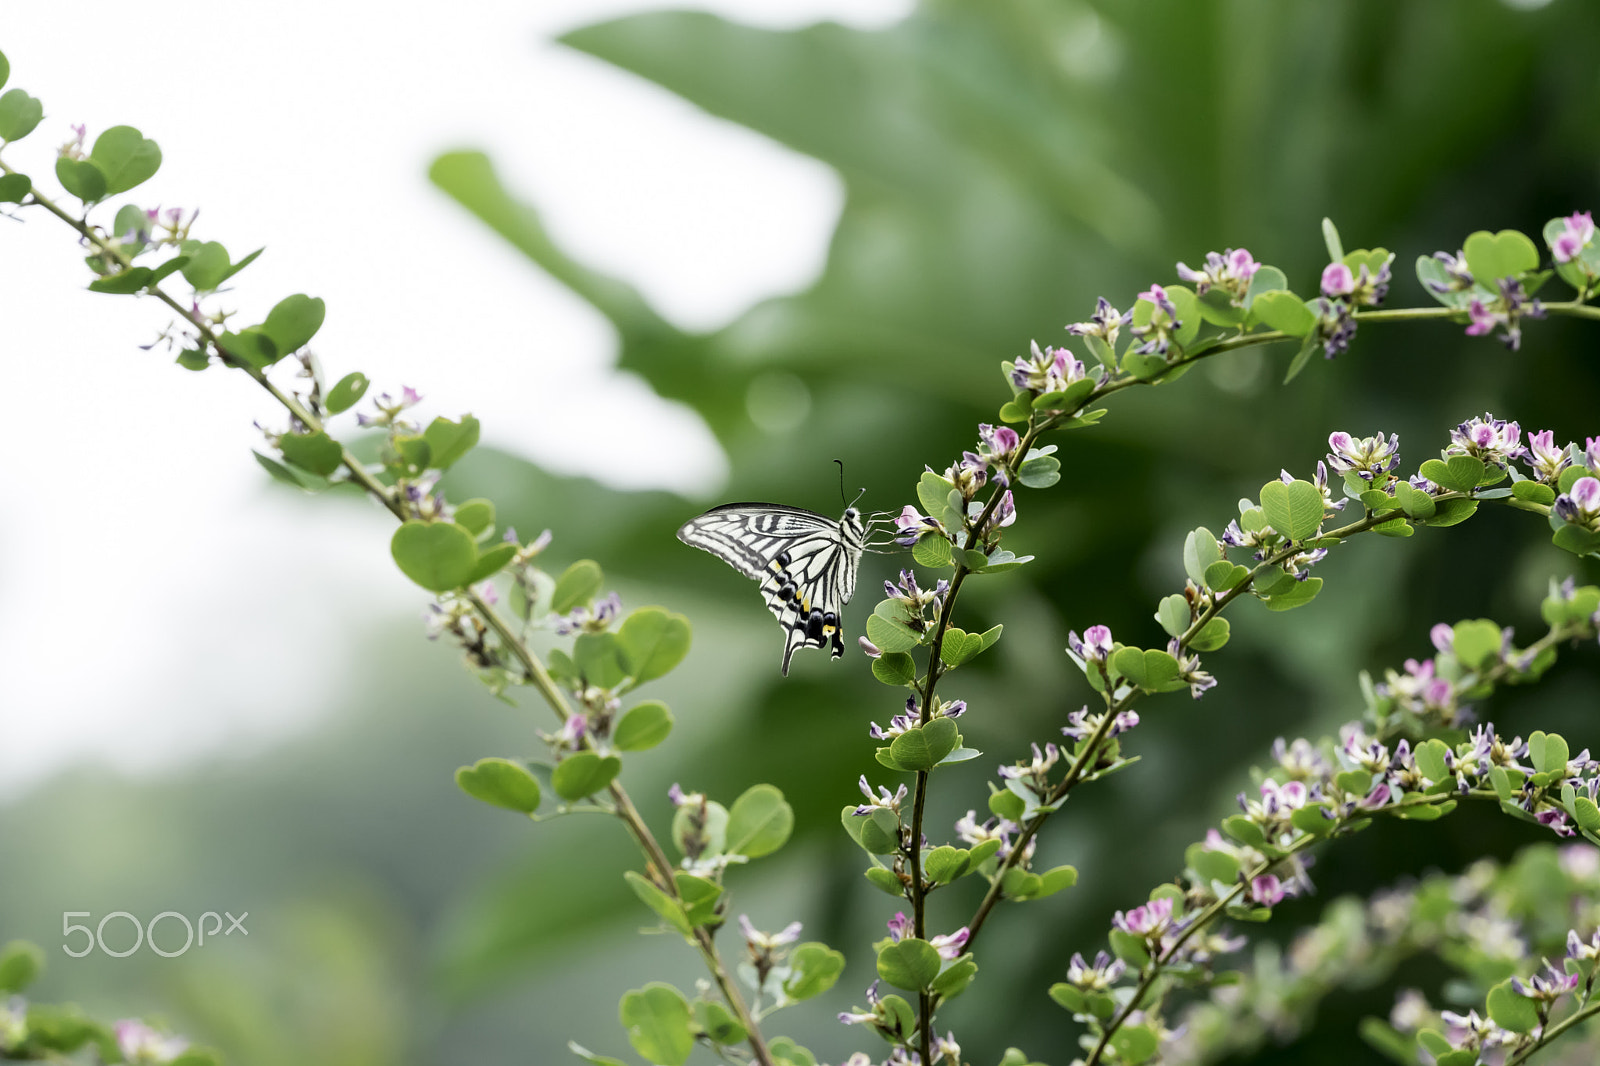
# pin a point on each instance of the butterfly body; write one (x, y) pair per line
(806, 564)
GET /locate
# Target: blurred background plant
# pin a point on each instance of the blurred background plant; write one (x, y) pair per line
(1004, 163)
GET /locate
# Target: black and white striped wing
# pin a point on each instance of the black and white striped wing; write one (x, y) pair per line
(806, 564)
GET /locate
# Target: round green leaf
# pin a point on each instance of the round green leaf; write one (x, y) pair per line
(439, 556)
(643, 726)
(449, 441)
(19, 114)
(250, 347)
(491, 562)
(475, 515)
(82, 178)
(316, 452)
(500, 783)
(294, 321)
(657, 1020)
(895, 668)
(207, 266)
(759, 822)
(658, 901)
(891, 635)
(1134, 1044)
(1498, 255)
(14, 188)
(921, 747)
(1295, 509)
(932, 550)
(910, 964)
(652, 642)
(813, 968)
(346, 393)
(1510, 1010)
(583, 773)
(577, 585)
(126, 157)
(878, 832)
(598, 660)
(5, 69)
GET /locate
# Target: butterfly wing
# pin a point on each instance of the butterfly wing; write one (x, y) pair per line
(806, 564)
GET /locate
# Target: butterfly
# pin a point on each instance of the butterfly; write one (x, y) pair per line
(806, 563)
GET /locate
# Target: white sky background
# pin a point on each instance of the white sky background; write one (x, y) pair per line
(135, 521)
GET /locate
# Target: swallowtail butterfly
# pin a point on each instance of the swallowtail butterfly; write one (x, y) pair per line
(806, 563)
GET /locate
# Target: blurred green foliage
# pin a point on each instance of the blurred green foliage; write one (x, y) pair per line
(1005, 163)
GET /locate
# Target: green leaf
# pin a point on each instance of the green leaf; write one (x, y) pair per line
(1057, 878)
(1297, 594)
(347, 393)
(1153, 671)
(1173, 614)
(500, 783)
(1430, 756)
(1295, 509)
(491, 562)
(576, 586)
(126, 157)
(895, 668)
(20, 963)
(813, 969)
(5, 69)
(1576, 539)
(759, 822)
(642, 726)
(475, 515)
(1452, 512)
(207, 265)
(1200, 550)
(931, 550)
(449, 440)
(1134, 1044)
(785, 1052)
(890, 635)
(1491, 256)
(19, 114)
(1222, 575)
(944, 864)
(1312, 820)
(699, 896)
(1244, 830)
(1129, 948)
(1534, 492)
(1284, 311)
(285, 474)
(657, 1020)
(921, 747)
(14, 188)
(1510, 1010)
(1040, 473)
(910, 964)
(718, 1023)
(652, 642)
(1212, 635)
(82, 178)
(439, 556)
(1301, 357)
(1548, 751)
(316, 452)
(1587, 814)
(583, 773)
(250, 347)
(123, 284)
(877, 832)
(1330, 238)
(665, 907)
(293, 321)
(1212, 865)
(1476, 643)
(598, 659)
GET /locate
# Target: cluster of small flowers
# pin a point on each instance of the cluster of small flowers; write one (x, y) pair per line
(1471, 919)
(1229, 271)
(900, 723)
(997, 453)
(1048, 370)
(1155, 336)
(1344, 290)
(973, 832)
(891, 1017)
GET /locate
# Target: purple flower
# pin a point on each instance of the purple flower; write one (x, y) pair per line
(997, 444)
(1455, 268)
(1506, 310)
(1544, 458)
(767, 942)
(1105, 323)
(1576, 233)
(889, 801)
(1105, 972)
(1591, 454)
(1337, 280)
(1094, 647)
(1266, 890)
(1148, 921)
(1367, 456)
(912, 524)
(1336, 325)
(1005, 513)
(1494, 440)
(1443, 636)
(950, 944)
(1049, 370)
(1229, 271)
(1156, 334)
(1580, 505)
(1548, 986)
(589, 620)
(899, 926)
